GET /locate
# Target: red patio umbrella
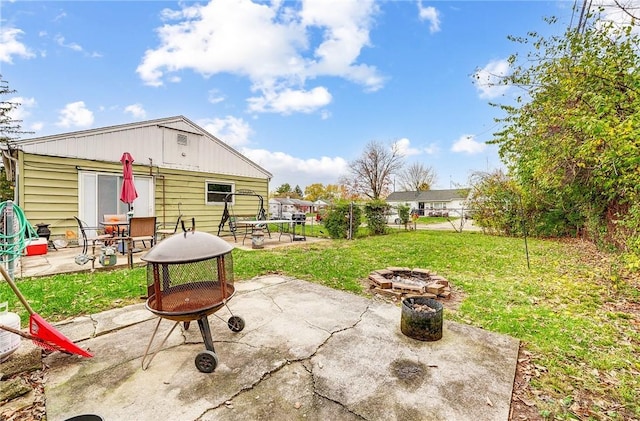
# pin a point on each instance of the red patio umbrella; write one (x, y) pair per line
(128, 193)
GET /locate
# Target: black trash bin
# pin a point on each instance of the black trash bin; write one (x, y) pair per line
(421, 318)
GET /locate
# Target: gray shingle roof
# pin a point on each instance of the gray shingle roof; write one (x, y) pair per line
(428, 196)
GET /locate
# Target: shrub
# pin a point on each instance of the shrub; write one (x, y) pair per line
(338, 222)
(375, 212)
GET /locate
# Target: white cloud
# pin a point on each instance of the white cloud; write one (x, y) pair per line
(21, 112)
(136, 110)
(74, 46)
(468, 144)
(59, 39)
(231, 130)
(10, 46)
(75, 114)
(488, 79)
(404, 147)
(288, 101)
(277, 46)
(431, 15)
(36, 126)
(215, 96)
(297, 171)
(432, 149)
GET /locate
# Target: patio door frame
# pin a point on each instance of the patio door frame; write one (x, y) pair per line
(103, 190)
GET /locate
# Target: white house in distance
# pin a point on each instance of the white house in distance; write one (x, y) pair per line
(284, 207)
(432, 202)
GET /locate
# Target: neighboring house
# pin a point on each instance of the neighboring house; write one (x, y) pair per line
(283, 207)
(436, 202)
(177, 166)
(320, 205)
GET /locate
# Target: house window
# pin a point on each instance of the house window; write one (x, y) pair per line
(217, 191)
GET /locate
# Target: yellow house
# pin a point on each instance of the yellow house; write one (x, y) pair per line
(178, 167)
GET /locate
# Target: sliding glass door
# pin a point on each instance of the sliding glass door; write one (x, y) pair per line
(99, 195)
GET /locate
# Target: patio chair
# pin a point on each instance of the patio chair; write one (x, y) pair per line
(115, 224)
(141, 228)
(165, 232)
(89, 235)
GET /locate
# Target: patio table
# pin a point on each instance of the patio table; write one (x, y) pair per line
(121, 228)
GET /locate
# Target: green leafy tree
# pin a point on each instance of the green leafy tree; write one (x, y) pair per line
(283, 189)
(314, 192)
(342, 220)
(404, 212)
(572, 143)
(298, 191)
(375, 212)
(495, 202)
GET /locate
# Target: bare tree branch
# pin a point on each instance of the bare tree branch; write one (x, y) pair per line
(370, 175)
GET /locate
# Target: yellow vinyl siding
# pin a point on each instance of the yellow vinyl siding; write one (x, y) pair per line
(49, 192)
(188, 188)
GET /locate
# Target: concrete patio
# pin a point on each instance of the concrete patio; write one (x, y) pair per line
(307, 352)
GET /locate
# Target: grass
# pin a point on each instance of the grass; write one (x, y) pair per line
(570, 309)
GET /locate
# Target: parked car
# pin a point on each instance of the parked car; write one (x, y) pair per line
(394, 218)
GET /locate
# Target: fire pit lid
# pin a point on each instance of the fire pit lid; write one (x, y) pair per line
(187, 247)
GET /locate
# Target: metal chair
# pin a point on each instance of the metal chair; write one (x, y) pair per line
(165, 232)
(141, 228)
(89, 235)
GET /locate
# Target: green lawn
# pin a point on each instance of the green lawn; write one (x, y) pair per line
(570, 309)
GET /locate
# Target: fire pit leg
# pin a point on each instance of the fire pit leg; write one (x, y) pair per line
(203, 324)
(145, 362)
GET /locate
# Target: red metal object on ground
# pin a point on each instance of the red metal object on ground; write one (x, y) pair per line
(40, 332)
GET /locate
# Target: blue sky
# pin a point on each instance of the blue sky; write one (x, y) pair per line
(300, 87)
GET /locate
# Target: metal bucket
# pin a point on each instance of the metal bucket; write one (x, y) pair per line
(419, 324)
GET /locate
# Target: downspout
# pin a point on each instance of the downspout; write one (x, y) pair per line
(161, 176)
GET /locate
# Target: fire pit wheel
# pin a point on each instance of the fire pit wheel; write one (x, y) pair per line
(206, 361)
(236, 323)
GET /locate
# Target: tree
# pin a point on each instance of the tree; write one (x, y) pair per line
(495, 201)
(9, 129)
(298, 191)
(333, 192)
(342, 220)
(417, 177)
(375, 212)
(284, 189)
(8, 126)
(572, 142)
(314, 192)
(370, 175)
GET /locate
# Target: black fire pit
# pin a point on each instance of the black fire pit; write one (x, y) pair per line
(189, 277)
(421, 318)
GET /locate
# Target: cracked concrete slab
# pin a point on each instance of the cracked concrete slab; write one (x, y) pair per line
(307, 352)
